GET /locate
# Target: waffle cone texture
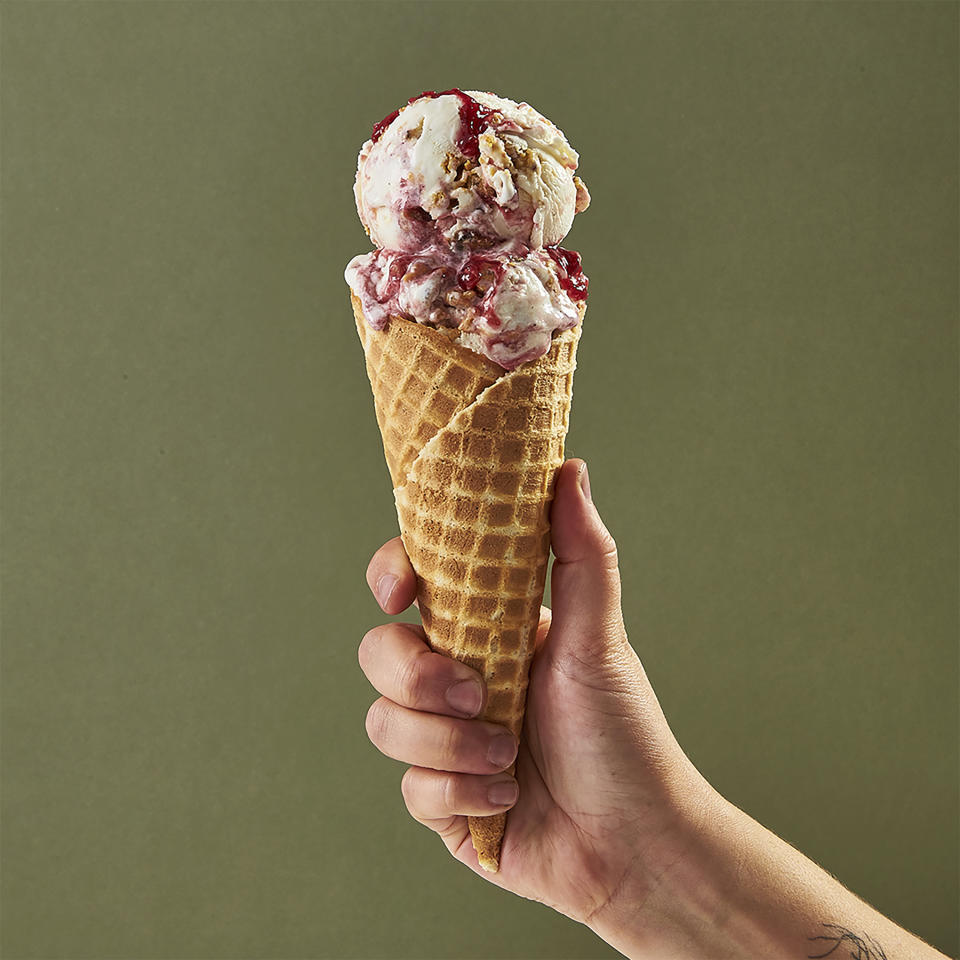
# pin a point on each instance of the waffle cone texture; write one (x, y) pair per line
(473, 453)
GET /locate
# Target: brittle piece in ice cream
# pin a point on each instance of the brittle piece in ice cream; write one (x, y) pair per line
(467, 170)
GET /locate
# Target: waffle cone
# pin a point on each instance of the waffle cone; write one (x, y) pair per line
(473, 452)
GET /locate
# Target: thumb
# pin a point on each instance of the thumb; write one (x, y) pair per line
(585, 584)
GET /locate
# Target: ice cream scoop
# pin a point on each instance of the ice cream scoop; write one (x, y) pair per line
(467, 196)
(467, 170)
(505, 307)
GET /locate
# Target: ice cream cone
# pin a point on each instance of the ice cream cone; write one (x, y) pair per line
(473, 452)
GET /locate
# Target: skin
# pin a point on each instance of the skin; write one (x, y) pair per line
(613, 826)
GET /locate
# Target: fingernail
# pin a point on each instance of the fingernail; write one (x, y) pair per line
(465, 697)
(504, 793)
(502, 750)
(384, 588)
(585, 483)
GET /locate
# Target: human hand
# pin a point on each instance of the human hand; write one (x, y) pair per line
(606, 796)
(613, 827)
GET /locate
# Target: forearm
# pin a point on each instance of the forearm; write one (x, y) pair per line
(737, 890)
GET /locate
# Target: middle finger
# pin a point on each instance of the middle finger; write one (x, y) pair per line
(441, 743)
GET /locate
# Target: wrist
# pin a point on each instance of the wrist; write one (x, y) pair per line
(681, 896)
(654, 908)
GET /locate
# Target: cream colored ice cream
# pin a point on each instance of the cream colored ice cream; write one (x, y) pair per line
(467, 170)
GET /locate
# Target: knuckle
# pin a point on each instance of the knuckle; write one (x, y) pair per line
(449, 792)
(411, 681)
(378, 722)
(451, 745)
(609, 556)
(408, 787)
(447, 828)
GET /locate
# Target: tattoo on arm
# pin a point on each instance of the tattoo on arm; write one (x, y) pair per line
(861, 948)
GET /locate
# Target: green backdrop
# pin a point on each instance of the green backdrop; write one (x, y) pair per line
(193, 480)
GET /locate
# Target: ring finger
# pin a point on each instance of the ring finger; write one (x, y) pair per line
(441, 743)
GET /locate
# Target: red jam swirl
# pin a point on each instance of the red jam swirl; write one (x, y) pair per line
(469, 276)
(572, 278)
(473, 120)
(473, 269)
(378, 128)
(395, 272)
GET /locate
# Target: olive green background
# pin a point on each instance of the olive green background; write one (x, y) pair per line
(193, 481)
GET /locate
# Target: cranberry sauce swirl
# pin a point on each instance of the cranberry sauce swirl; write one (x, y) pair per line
(473, 120)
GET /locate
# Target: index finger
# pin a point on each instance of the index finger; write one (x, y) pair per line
(391, 577)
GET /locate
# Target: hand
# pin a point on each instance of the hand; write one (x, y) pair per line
(607, 799)
(613, 826)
